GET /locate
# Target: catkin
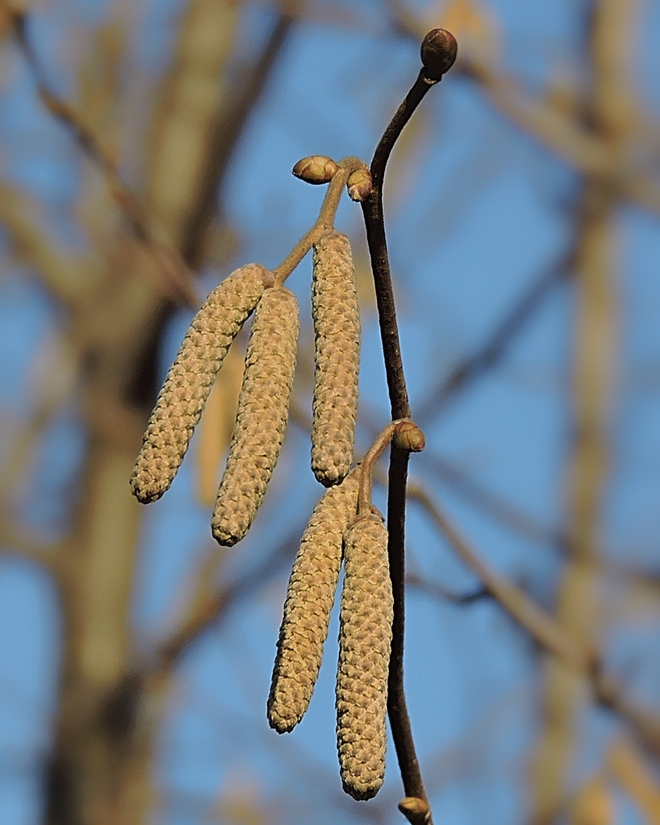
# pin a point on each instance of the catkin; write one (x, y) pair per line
(365, 635)
(309, 600)
(188, 383)
(261, 417)
(336, 316)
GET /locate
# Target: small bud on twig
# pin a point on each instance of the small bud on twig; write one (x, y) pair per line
(438, 52)
(359, 184)
(415, 810)
(315, 169)
(408, 436)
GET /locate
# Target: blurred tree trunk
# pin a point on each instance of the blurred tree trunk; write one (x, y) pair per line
(103, 741)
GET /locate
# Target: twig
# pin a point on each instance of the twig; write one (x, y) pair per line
(374, 220)
(174, 269)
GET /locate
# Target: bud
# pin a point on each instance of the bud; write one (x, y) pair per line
(261, 417)
(315, 169)
(415, 809)
(359, 184)
(365, 636)
(438, 53)
(408, 436)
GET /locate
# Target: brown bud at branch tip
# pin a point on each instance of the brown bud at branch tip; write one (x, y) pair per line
(315, 169)
(359, 184)
(438, 53)
(408, 436)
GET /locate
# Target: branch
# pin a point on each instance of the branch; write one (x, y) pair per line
(547, 631)
(438, 46)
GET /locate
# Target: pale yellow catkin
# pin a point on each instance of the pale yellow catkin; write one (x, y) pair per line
(309, 600)
(336, 317)
(189, 380)
(365, 637)
(261, 417)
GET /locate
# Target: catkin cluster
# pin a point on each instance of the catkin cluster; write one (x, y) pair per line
(263, 405)
(336, 317)
(364, 639)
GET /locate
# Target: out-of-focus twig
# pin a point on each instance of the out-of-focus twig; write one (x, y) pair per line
(175, 272)
(491, 352)
(65, 276)
(628, 767)
(540, 625)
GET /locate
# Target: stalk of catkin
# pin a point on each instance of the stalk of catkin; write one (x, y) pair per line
(365, 636)
(188, 382)
(336, 316)
(261, 417)
(309, 600)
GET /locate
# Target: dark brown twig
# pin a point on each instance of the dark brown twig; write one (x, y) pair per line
(372, 208)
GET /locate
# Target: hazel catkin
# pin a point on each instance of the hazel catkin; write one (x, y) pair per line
(309, 600)
(188, 382)
(365, 636)
(336, 317)
(261, 417)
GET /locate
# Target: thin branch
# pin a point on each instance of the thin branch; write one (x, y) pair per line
(64, 275)
(374, 220)
(208, 607)
(547, 631)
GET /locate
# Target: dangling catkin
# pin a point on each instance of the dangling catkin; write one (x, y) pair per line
(336, 316)
(365, 635)
(261, 417)
(188, 383)
(309, 599)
